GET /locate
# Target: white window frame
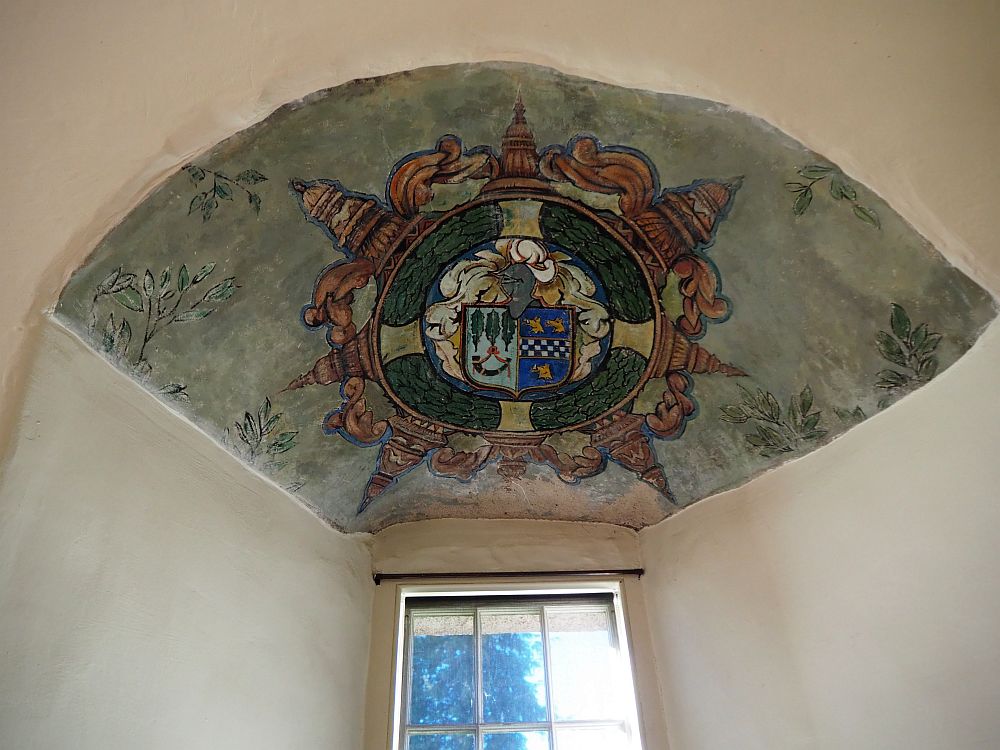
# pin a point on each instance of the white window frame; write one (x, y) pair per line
(519, 589)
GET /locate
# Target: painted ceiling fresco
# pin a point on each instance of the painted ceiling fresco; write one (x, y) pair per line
(494, 290)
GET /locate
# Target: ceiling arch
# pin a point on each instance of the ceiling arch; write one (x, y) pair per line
(401, 299)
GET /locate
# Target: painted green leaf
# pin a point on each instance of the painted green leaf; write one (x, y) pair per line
(806, 399)
(774, 408)
(816, 171)
(795, 187)
(868, 216)
(123, 338)
(108, 340)
(254, 201)
(197, 174)
(918, 337)
(250, 427)
(250, 177)
(192, 315)
(891, 379)
(183, 279)
(109, 281)
(734, 414)
(205, 271)
(196, 203)
(900, 322)
(263, 412)
(208, 208)
(148, 283)
(270, 424)
(810, 422)
(221, 291)
(223, 191)
(890, 349)
(929, 344)
(928, 368)
(125, 280)
(802, 202)
(837, 188)
(129, 298)
(284, 442)
(794, 415)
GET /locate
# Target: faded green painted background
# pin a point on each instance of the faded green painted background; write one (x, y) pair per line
(809, 293)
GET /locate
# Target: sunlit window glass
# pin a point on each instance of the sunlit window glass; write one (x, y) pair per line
(512, 673)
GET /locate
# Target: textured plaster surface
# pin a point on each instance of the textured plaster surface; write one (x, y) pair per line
(155, 594)
(808, 293)
(848, 599)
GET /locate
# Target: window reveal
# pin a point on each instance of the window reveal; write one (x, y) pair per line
(515, 673)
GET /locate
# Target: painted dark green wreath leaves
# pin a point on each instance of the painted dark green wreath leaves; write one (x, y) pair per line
(911, 349)
(776, 432)
(207, 201)
(841, 189)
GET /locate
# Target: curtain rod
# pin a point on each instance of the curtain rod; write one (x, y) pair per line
(379, 577)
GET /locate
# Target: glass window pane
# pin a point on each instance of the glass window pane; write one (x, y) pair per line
(443, 660)
(516, 741)
(513, 668)
(592, 738)
(584, 666)
(442, 742)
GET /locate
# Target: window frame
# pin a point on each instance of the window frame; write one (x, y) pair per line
(542, 590)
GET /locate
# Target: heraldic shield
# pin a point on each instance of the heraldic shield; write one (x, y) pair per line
(510, 355)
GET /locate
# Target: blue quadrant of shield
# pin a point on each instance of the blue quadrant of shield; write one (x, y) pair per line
(545, 347)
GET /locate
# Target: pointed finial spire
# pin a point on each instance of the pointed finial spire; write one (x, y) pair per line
(519, 108)
(518, 155)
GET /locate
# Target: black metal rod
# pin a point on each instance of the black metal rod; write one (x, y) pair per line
(379, 577)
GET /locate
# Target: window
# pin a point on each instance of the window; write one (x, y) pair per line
(516, 671)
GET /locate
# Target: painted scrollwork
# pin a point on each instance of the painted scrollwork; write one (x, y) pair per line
(411, 183)
(354, 418)
(333, 296)
(675, 224)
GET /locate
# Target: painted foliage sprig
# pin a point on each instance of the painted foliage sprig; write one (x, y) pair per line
(255, 433)
(776, 432)
(841, 189)
(913, 351)
(207, 201)
(161, 303)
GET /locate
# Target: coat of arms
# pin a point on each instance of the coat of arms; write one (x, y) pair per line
(520, 314)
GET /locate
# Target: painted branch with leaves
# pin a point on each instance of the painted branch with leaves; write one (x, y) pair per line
(162, 304)
(260, 436)
(841, 189)
(913, 351)
(775, 432)
(222, 187)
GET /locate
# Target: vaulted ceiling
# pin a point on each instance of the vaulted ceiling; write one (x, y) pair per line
(494, 290)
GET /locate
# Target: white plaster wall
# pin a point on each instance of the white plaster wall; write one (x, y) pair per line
(155, 594)
(843, 601)
(850, 599)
